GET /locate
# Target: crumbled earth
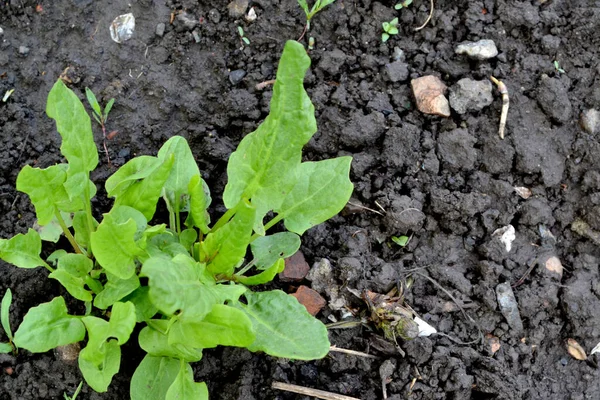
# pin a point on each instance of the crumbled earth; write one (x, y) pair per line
(447, 183)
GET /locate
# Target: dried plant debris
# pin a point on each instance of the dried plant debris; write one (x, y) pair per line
(575, 350)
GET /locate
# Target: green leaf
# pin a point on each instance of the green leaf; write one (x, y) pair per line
(91, 98)
(45, 188)
(107, 109)
(393, 31)
(222, 326)
(386, 26)
(139, 183)
(183, 170)
(4, 314)
(48, 326)
(199, 202)
(304, 6)
(246, 40)
(5, 348)
(322, 190)
(99, 375)
(144, 309)
(264, 166)
(175, 285)
(153, 378)
(75, 127)
(384, 37)
(101, 358)
(114, 246)
(52, 231)
(115, 290)
(155, 342)
(394, 22)
(266, 250)
(23, 250)
(240, 31)
(266, 276)
(283, 326)
(187, 237)
(184, 387)
(400, 241)
(224, 249)
(71, 272)
(82, 231)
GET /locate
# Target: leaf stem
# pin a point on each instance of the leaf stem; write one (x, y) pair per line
(225, 217)
(268, 225)
(246, 268)
(87, 202)
(67, 233)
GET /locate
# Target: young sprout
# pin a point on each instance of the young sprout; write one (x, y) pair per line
(403, 4)
(317, 6)
(389, 28)
(101, 117)
(558, 68)
(311, 43)
(243, 38)
(401, 241)
(4, 321)
(74, 397)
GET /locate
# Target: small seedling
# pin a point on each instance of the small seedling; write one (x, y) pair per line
(74, 397)
(389, 28)
(558, 68)
(311, 43)
(317, 6)
(401, 241)
(243, 38)
(4, 311)
(101, 117)
(403, 4)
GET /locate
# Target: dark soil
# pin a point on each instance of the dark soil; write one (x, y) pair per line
(447, 183)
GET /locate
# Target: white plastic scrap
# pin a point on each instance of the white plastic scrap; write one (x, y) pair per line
(121, 29)
(596, 349)
(424, 328)
(251, 16)
(507, 236)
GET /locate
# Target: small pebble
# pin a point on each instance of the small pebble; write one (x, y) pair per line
(398, 54)
(396, 71)
(509, 307)
(185, 22)
(236, 76)
(237, 8)
(214, 16)
(590, 121)
(481, 50)
(23, 50)
(160, 29)
(429, 94)
(196, 35)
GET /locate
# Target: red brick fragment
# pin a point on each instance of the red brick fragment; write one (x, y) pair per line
(296, 268)
(310, 299)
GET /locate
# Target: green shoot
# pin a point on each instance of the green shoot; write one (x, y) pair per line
(243, 38)
(403, 4)
(4, 320)
(74, 397)
(558, 68)
(389, 28)
(311, 12)
(101, 116)
(401, 241)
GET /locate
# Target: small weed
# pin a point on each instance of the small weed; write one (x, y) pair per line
(74, 397)
(243, 37)
(389, 28)
(101, 117)
(558, 68)
(317, 6)
(401, 241)
(403, 4)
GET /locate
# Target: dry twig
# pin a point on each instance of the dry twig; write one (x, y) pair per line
(365, 208)
(428, 18)
(505, 102)
(319, 394)
(352, 352)
(262, 85)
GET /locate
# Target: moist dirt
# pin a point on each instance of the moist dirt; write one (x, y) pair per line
(447, 183)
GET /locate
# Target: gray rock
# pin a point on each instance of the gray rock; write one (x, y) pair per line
(552, 97)
(481, 50)
(470, 95)
(509, 307)
(590, 121)
(236, 76)
(160, 29)
(214, 16)
(323, 281)
(396, 71)
(23, 50)
(398, 54)
(237, 8)
(185, 22)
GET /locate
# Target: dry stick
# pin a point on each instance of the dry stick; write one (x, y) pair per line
(428, 18)
(262, 85)
(365, 208)
(319, 394)
(505, 102)
(352, 352)
(464, 313)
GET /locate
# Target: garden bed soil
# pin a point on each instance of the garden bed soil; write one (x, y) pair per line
(445, 182)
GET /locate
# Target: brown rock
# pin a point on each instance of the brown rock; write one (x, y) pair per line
(429, 93)
(296, 268)
(310, 299)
